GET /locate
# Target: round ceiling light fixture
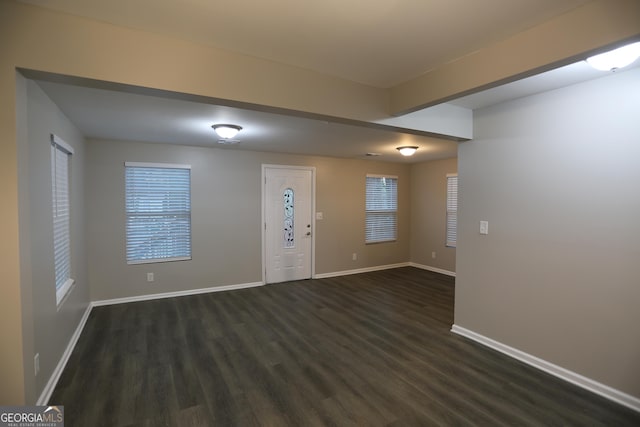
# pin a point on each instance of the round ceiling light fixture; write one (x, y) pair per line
(227, 131)
(617, 58)
(407, 150)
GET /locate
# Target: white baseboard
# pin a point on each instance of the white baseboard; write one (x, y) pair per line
(57, 372)
(603, 390)
(360, 270)
(176, 294)
(434, 269)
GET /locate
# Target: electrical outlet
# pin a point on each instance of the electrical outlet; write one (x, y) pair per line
(484, 227)
(433, 255)
(354, 256)
(150, 277)
(36, 363)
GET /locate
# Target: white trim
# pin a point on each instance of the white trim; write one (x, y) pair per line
(434, 269)
(56, 140)
(302, 167)
(375, 242)
(156, 165)
(159, 260)
(57, 372)
(593, 386)
(375, 175)
(361, 270)
(61, 294)
(150, 297)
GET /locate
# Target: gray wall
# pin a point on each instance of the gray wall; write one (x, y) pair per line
(47, 328)
(226, 217)
(558, 276)
(429, 214)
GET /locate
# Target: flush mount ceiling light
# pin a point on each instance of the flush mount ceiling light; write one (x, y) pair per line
(227, 131)
(617, 58)
(407, 150)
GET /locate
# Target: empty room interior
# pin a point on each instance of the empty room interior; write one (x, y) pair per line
(305, 269)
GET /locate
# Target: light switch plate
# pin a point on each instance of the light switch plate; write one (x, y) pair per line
(484, 227)
(319, 215)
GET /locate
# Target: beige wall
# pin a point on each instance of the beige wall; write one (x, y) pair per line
(87, 49)
(95, 50)
(429, 214)
(556, 175)
(560, 41)
(48, 328)
(226, 217)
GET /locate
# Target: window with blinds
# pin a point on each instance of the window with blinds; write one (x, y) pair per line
(381, 208)
(452, 210)
(158, 207)
(61, 204)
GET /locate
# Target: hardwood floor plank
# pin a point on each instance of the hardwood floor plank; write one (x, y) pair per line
(370, 349)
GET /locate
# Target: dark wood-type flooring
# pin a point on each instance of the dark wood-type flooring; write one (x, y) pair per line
(372, 349)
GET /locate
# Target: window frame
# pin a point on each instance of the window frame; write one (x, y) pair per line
(128, 214)
(378, 212)
(451, 223)
(61, 196)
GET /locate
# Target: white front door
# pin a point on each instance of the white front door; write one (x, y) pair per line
(288, 204)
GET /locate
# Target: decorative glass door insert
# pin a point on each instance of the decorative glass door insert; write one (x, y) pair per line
(288, 218)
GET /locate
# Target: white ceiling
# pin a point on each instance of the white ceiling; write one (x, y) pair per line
(106, 114)
(554, 79)
(376, 42)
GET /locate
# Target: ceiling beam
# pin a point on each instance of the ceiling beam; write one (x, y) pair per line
(560, 41)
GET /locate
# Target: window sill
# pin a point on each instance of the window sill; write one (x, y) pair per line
(63, 292)
(159, 260)
(375, 242)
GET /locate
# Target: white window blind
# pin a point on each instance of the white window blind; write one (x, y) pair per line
(158, 206)
(452, 210)
(60, 156)
(381, 208)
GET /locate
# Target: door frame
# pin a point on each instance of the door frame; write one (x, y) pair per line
(263, 226)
